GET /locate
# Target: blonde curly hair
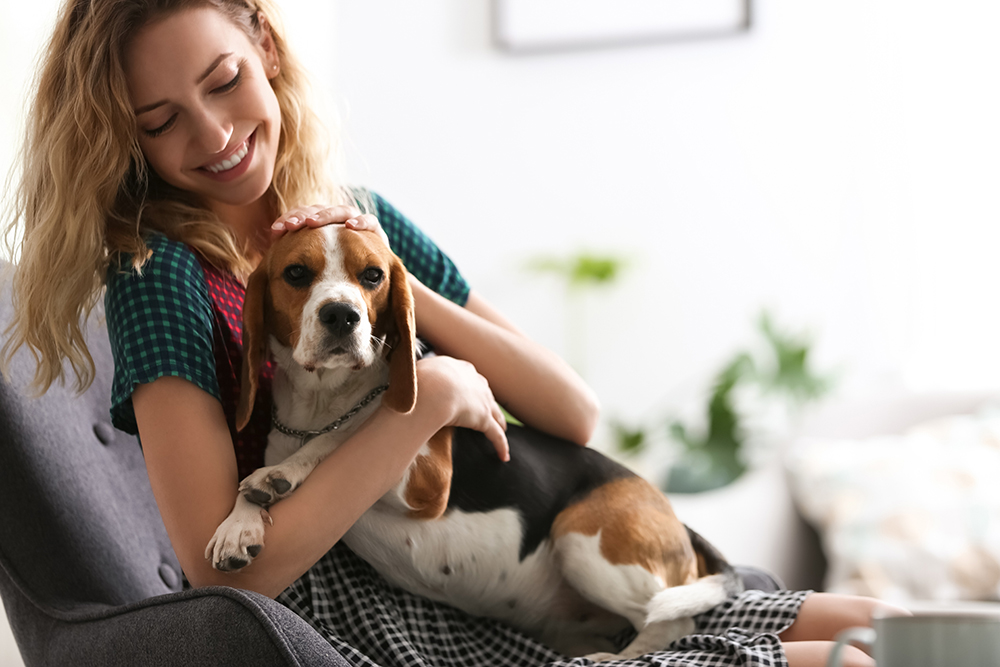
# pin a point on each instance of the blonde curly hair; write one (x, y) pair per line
(86, 198)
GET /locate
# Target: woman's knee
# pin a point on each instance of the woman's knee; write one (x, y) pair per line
(823, 615)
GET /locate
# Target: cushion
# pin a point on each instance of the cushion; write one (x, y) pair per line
(913, 516)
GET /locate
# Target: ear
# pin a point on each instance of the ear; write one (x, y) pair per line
(402, 393)
(271, 60)
(254, 344)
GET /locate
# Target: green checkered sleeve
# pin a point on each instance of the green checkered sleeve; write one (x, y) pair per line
(420, 255)
(160, 324)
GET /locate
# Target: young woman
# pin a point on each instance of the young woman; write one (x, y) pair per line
(170, 141)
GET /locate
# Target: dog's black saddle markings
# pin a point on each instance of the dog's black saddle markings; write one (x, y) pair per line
(544, 476)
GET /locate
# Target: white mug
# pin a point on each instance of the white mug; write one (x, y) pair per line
(966, 635)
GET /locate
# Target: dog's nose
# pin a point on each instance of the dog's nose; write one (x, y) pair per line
(340, 318)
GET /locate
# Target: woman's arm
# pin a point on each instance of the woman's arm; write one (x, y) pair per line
(533, 383)
(192, 470)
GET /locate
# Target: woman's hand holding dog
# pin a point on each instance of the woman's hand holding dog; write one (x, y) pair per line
(465, 396)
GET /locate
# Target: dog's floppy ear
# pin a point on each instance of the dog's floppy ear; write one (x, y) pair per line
(402, 393)
(254, 343)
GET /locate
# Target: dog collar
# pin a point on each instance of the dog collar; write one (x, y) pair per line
(306, 436)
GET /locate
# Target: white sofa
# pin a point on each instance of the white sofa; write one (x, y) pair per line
(754, 520)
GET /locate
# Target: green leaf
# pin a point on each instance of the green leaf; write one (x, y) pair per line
(629, 440)
(792, 373)
(581, 269)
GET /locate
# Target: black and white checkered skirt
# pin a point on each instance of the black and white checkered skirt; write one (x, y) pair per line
(373, 623)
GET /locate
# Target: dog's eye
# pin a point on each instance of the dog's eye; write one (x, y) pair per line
(298, 275)
(371, 276)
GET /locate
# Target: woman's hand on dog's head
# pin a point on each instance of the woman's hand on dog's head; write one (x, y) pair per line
(318, 216)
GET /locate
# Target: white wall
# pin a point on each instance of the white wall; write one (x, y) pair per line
(25, 27)
(836, 165)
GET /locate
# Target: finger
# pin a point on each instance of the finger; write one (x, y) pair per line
(290, 221)
(496, 435)
(278, 228)
(498, 415)
(363, 222)
(296, 222)
(368, 222)
(321, 215)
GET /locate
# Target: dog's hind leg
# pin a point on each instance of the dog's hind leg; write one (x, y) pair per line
(623, 589)
(622, 548)
(620, 588)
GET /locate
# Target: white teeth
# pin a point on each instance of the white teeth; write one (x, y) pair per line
(230, 162)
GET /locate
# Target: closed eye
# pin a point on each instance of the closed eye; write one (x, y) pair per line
(232, 83)
(157, 131)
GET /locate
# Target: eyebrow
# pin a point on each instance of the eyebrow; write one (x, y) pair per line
(211, 68)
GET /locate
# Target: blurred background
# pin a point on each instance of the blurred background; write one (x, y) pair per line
(836, 165)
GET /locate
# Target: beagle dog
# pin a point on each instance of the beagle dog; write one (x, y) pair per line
(560, 542)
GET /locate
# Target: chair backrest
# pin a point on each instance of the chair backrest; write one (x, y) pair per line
(80, 523)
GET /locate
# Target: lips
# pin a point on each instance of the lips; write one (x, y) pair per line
(234, 160)
(235, 164)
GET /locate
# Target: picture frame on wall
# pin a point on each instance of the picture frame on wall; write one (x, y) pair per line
(525, 26)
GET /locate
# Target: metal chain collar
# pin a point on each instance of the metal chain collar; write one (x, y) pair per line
(306, 436)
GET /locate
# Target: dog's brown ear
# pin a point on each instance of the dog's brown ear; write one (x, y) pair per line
(254, 344)
(402, 393)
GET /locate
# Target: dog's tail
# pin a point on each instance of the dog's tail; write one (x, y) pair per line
(717, 580)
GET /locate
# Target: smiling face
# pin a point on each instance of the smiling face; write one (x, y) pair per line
(208, 120)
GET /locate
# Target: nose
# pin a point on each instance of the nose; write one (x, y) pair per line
(213, 129)
(339, 318)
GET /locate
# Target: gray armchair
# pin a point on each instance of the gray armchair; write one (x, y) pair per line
(87, 574)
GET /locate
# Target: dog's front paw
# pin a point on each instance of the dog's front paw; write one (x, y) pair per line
(238, 539)
(266, 486)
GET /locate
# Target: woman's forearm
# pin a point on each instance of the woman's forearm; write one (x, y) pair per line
(192, 470)
(342, 487)
(530, 381)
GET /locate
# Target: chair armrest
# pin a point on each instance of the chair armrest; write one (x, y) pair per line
(216, 626)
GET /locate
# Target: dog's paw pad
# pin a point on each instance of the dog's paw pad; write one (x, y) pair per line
(232, 564)
(258, 497)
(239, 539)
(266, 486)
